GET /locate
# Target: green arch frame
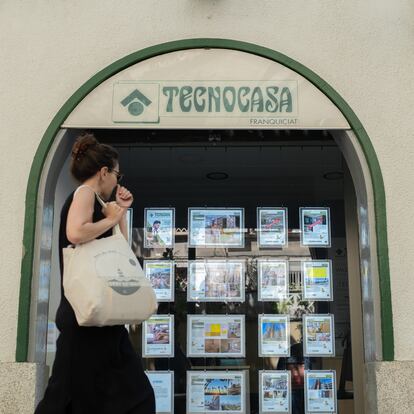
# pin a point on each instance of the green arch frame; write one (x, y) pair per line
(87, 87)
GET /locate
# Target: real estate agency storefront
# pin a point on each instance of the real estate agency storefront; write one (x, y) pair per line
(235, 136)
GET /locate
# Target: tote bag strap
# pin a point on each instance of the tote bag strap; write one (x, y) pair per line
(101, 202)
(117, 229)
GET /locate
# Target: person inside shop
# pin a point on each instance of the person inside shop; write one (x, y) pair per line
(296, 364)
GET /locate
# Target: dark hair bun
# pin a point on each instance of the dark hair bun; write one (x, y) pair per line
(82, 144)
(89, 156)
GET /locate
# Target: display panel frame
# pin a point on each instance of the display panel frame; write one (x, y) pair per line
(217, 341)
(261, 297)
(167, 374)
(314, 349)
(193, 279)
(307, 238)
(287, 404)
(281, 241)
(158, 351)
(171, 265)
(169, 232)
(312, 407)
(273, 319)
(239, 376)
(129, 219)
(218, 232)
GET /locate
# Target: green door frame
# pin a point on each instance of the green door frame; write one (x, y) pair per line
(133, 58)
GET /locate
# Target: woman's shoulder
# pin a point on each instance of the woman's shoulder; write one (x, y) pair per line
(68, 202)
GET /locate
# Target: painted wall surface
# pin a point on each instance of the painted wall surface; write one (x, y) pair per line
(363, 49)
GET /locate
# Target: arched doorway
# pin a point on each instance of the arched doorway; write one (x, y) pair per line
(331, 115)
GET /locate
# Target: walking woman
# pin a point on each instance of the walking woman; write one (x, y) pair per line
(96, 370)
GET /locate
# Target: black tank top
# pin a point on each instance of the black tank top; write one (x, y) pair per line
(65, 316)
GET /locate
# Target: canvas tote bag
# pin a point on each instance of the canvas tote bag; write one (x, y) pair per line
(104, 282)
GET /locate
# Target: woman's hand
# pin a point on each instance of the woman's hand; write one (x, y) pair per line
(113, 212)
(124, 198)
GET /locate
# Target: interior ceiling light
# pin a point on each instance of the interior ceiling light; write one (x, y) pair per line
(214, 137)
(333, 175)
(217, 175)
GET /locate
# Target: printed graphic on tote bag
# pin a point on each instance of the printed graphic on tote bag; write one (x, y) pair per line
(119, 271)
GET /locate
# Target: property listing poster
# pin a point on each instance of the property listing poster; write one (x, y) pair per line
(159, 227)
(274, 335)
(317, 280)
(216, 280)
(320, 391)
(215, 335)
(318, 335)
(272, 227)
(158, 336)
(216, 391)
(274, 392)
(273, 280)
(161, 275)
(162, 383)
(216, 227)
(315, 227)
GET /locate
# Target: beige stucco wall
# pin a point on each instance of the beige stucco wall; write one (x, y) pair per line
(48, 49)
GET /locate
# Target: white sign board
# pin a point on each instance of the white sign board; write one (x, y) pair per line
(207, 88)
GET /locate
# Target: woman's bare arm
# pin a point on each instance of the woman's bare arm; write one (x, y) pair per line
(123, 225)
(79, 226)
(124, 198)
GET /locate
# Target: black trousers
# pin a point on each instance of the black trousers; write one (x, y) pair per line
(147, 407)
